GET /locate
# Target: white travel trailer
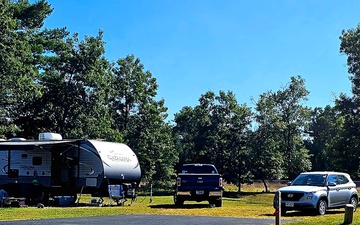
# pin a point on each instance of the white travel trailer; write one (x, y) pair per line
(56, 167)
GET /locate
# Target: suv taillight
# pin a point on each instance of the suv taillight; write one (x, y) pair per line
(178, 181)
(220, 182)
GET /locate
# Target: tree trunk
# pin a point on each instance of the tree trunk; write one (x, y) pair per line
(239, 185)
(265, 185)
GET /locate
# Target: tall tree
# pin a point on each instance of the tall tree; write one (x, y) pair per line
(293, 118)
(215, 131)
(20, 22)
(345, 151)
(284, 113)
(325, 129)
(266, 156)
(75, 85)
(141, 119)
(348, 147)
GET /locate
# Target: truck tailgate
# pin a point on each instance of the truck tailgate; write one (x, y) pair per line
(194, 181)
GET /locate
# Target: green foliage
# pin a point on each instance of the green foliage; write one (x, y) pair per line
(19, 23)
(325, 128)
(141, 118)
(346, 147)
(215, 132)
(282, 120)
(74, 83)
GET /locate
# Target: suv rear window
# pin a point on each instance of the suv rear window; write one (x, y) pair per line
(342, 179)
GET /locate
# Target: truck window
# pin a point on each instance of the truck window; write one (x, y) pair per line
(199, 169)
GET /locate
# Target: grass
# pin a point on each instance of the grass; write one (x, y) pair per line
(252, 202)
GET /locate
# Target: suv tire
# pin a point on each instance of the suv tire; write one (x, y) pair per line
(354, 202)
(321, 207)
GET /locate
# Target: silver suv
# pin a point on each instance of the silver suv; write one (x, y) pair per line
(318, 191)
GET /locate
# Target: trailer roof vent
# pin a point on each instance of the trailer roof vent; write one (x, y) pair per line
(50, 137)
(17, 139)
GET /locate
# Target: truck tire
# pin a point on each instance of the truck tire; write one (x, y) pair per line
(178, 201)
(218, 203)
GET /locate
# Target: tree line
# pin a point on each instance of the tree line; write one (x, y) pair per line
(51, 81)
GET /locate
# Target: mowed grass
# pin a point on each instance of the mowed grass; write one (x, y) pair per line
(252, 202)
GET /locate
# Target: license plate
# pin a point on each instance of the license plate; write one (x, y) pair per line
(199, 192)
(289, 204)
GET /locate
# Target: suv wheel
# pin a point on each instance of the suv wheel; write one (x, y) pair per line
(321, 207)
(354, 202)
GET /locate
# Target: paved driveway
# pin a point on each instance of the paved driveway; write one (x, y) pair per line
(148, 220)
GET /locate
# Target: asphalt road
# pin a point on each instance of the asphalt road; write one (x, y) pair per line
(146, 219)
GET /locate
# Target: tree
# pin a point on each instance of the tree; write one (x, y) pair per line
(283, 113)
(293, 117)
(215, 131)
(325, 129)
(347, 153)
(75, 85)
(345, 147)
(266, 156)
(20, 22)
(140, 118)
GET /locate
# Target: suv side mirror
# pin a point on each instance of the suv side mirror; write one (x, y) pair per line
(331, 184)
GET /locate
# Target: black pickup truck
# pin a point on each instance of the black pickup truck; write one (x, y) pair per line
(198, 182)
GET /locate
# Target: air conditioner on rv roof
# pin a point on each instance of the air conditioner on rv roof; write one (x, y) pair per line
(50, 137)
(17, 139)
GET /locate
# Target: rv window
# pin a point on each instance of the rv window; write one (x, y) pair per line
(37, 160)
(24, 156)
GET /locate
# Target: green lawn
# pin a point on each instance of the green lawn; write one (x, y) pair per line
(254, 205)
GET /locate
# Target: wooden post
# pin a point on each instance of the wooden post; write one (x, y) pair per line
(278, 208)
(349, 212)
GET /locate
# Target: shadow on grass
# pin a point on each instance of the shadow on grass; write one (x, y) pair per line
(185, 206)
(309, 213)
(231, 194)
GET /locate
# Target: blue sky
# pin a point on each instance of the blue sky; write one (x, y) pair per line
(247, 47)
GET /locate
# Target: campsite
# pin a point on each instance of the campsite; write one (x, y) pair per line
(102, 102)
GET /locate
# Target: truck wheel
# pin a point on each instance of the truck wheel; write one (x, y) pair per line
(218, 203)
(178, 201)
(321, 207)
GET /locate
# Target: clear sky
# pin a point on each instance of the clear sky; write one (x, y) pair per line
(245, 46)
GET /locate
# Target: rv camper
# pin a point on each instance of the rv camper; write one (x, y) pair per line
(50, 167)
